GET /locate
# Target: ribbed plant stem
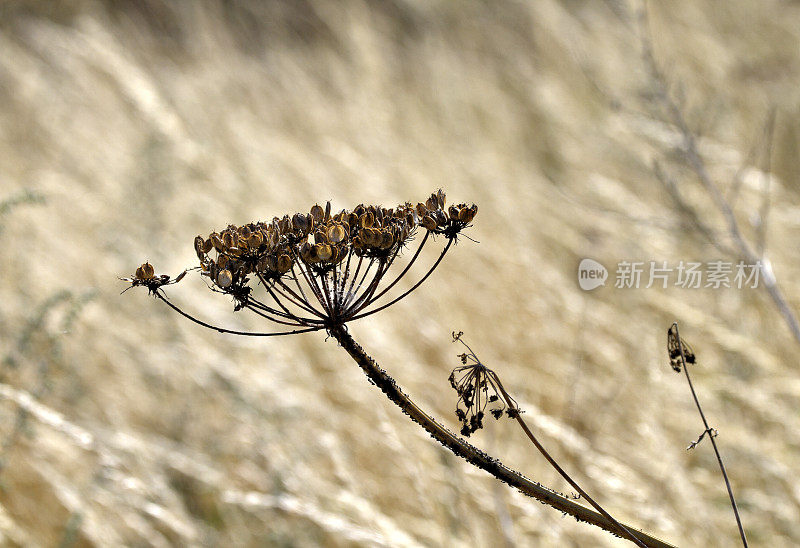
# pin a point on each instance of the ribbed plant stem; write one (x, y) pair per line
(471, 453)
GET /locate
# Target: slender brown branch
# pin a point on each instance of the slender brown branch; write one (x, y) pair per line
(471, 453)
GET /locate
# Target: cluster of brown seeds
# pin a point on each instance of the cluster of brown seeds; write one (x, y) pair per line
(319, 269)
(320, 240)
(146, 276)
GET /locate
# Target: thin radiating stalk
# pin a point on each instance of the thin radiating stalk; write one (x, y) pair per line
(160, 295)
(416, 285)
(711, 437)
(471, 453)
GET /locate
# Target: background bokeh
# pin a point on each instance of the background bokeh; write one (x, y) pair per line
(128, 128)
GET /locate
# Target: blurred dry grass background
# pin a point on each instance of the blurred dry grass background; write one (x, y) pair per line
(128, 128)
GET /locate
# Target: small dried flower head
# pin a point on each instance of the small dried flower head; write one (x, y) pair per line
(478, 388)
(674, 350)
(145, 276)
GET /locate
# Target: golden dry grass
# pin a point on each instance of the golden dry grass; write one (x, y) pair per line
(143, 126)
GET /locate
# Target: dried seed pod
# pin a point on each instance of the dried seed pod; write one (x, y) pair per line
(227, 239)
(327, 211)
(335, 233)
(320, 237)
(313, 255)
(284, 264)
(305, 250)
(367, 220)
(207, 246)
(300, 223)
(216, 241)
(317, 213)
(453, 211)
(255, 240)
(387, 240)
(222, 261)
(324, 251)
(224, 278)
(428, 222)
(198, 247)
(244, 232)
(440, 198)
(421, 210)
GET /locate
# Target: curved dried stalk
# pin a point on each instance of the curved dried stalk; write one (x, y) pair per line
(472, 454)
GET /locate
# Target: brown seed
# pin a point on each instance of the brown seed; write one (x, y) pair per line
(440, 198)
(317, 213)
(284, 264)
(300, 223)
(453, 211)
(222, 261)
(388, 240)
(367, 219)
(227, 239)
(224, 278)
(216, 241)
(198, 247)
(324, 251)
(335, 233)
(428, 222)
(328, 211)
(255, 241)
(207, 246)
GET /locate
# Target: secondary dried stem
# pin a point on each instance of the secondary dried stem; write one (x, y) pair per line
(471, 453)
(710, 434)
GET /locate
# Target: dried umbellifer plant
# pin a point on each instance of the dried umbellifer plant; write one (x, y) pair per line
(320, 270)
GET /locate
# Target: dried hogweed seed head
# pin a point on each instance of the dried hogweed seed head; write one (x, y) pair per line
(322, 268)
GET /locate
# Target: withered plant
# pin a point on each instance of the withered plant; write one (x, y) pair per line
(321, 270)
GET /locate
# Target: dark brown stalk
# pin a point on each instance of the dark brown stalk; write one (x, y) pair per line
(471, 453)
(711, 436)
